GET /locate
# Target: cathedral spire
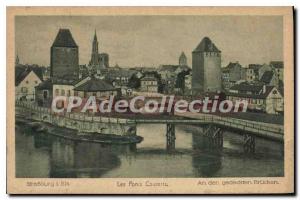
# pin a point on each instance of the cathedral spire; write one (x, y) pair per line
(95, 36)
(17, 61)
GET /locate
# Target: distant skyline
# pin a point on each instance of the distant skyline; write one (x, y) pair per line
(153, 40)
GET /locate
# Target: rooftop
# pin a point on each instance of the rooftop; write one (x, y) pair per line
(244, 86)
(22, 72)
(206, 45)
(95, 85)
(64, 38)
(277, 64)
(267, 77)
(45, 85)
(253, 96)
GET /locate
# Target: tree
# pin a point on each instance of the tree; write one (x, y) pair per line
(134, 82)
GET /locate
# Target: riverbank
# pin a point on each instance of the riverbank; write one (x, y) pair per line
(75, 135)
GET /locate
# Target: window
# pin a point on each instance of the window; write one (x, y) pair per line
(69, 93)
(45, 94)
(24, 89)
(75, 93)
(56, 92)
(62, 92)
(275, 92)
(35, 82)
(27, 82)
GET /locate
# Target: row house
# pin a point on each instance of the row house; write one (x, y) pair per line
(83, 88)
(252, 72)
(26, 80)
(260, 97)
(231, 74)
(150, 83)
(278, 68)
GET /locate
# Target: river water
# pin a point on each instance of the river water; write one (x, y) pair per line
(41, 155)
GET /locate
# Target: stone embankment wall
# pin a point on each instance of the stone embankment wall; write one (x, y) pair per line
(78, 121)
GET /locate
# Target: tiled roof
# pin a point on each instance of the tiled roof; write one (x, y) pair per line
(147, 78)
(276, 64)
(254, 66)
(253, 96)
(230, 66)
(267, 77)
(95, 85)
(170, 68)
(64, 39)
(45, 85)
(247, 87)
(22, 72)
(206, 45)
(113, 74)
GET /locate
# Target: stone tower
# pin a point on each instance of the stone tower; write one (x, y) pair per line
(182, 60)
(64, 61)
(206, 67)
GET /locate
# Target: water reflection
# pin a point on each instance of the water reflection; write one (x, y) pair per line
(43, 155)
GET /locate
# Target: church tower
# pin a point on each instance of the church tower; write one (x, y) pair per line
(206, 67)
(17, 61)
(182, 60)
(99, 61)
(94, 57)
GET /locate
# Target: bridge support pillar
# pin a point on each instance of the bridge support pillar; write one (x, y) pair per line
(170, 135)
(215, 134)
(249, 143)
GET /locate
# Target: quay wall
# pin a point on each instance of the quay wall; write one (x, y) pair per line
(78, 121)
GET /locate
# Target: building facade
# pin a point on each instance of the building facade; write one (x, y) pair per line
(64, 61)
(252, 72)
(277, 66)
(231, 74)
(206, 67)
(149, 83)
(260, 97)
(44, 93)
(25, 84)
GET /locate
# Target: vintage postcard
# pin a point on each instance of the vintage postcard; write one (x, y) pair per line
(150, 100)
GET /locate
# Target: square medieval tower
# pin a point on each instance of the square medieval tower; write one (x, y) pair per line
(206, 67)
(64, 63)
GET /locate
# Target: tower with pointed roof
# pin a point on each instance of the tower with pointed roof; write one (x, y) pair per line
(98, 60)
(17, 61)
(206, 67)
(94, 56)
(182, 60)
(64, 61)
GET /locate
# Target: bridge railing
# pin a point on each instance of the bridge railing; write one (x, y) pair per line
(226, 121)
(75, 116)
(250, 124)
(237, 123)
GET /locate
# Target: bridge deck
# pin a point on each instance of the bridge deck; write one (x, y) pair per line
(268, 130)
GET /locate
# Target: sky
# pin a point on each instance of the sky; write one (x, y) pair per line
(151, 41)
